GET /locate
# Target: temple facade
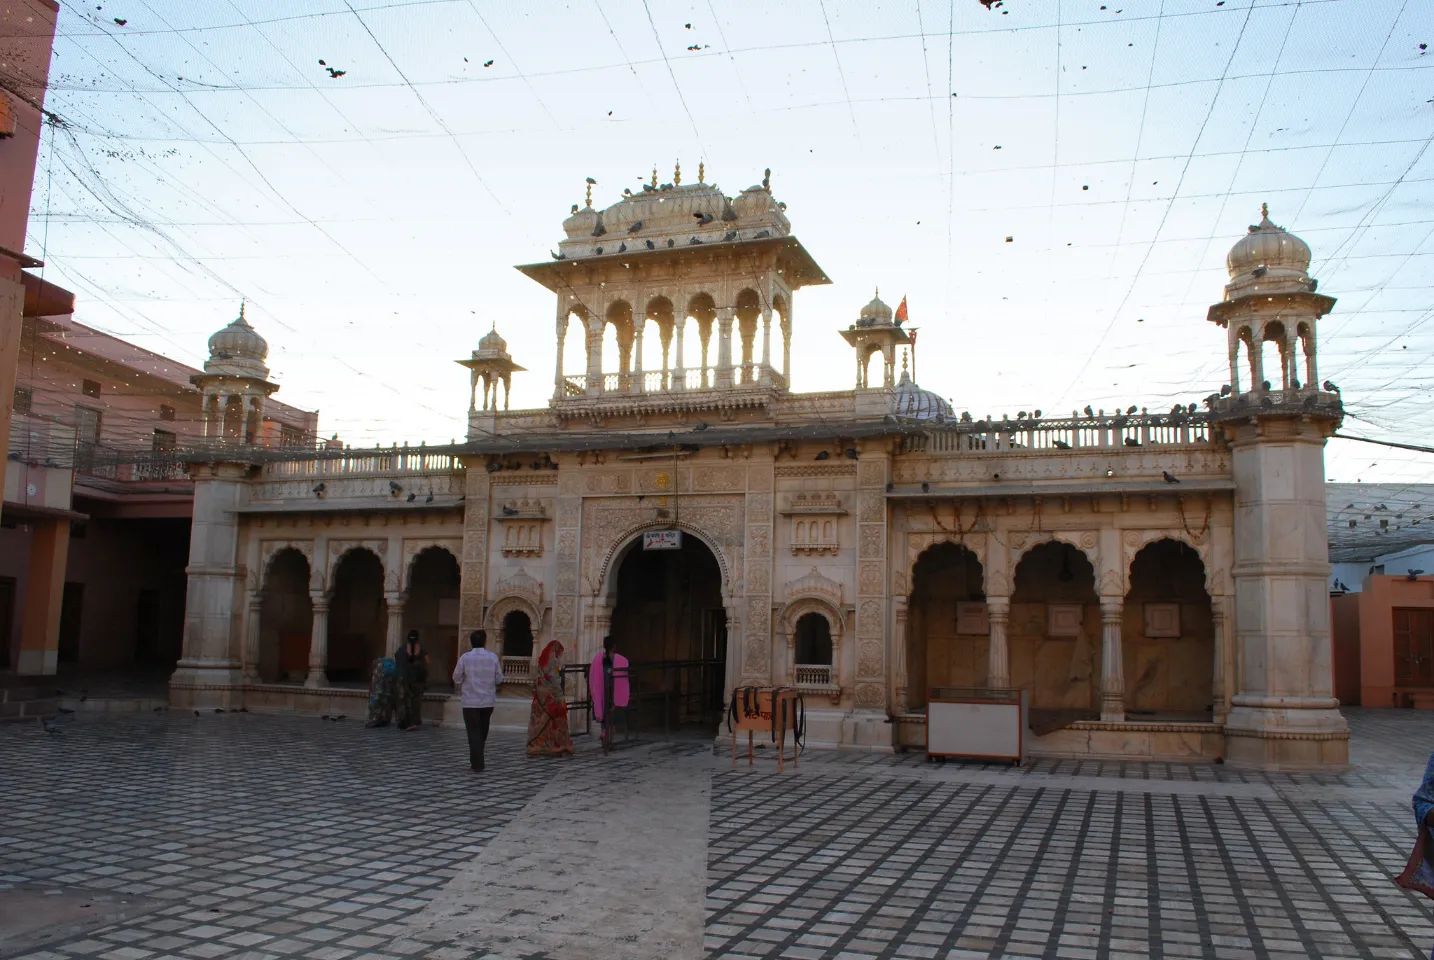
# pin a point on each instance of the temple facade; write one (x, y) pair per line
(1156, 581)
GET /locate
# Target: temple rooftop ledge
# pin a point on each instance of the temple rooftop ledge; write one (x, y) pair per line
(1095, 486)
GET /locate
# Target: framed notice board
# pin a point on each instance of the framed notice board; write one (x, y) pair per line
(979, 723)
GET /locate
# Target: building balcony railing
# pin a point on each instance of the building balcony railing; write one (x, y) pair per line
(398, 461)
(1080, 433)
(688, 380)
(518, 670)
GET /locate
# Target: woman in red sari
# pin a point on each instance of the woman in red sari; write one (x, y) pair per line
(548, 722)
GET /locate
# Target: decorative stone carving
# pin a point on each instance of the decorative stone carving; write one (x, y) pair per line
(873, 507)
(815, 522)
(869, 619)
(567, 545)
(872, 473)
(517, 592)
(759, 507)
(567, 580)
(1087, 541)
(607, 482)
(817, 586)
(565, 613)
(868, 659)
(522, 522)
(869, 577)
(568, 512)
(759, 541)
(714, 479)
(873, 540)
(815, 470)
(869, 695)
(759, 478)
(759, 578)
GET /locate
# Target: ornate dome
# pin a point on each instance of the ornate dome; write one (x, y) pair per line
(875, 312)
(1281, 254)
(492, 343)
(238, 341)
(918, 404)
(237, 351)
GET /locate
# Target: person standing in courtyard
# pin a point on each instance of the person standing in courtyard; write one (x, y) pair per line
(1418, 874)
(411, 662)
(548, 720)
(608, 687)
(380, 692)
(476, 677)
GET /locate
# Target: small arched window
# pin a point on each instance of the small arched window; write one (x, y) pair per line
(813, 640)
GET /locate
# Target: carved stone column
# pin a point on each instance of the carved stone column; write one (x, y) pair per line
(724, 348)
(250, 666)
(559, 384)
(638, 384)
(472, 583)
(1220, 685)
(1112, 660)
(594, 341)
(319, 642)
(900, 679)
(766, 344)
(396, 602)
(679, 373)
(998, 656)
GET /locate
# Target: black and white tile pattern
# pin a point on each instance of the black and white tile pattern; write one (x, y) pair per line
(247, 837)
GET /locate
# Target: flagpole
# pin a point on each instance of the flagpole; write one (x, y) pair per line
(912, 331)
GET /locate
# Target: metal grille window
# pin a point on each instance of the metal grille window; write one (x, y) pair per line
(166, 412)
(24, 397)
(90, 388)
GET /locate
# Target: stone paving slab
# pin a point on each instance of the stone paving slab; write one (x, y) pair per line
(260, 838)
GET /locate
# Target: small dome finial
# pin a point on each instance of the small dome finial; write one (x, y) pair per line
(767, 179)
(702, 171)
(677, 174)
(654, 176)
(591, 181)
(242, 302)
(1264, 211)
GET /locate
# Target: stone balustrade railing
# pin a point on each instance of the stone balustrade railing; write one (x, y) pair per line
(397, 461)
(1078, 433)
(630, 383)
(517, 669)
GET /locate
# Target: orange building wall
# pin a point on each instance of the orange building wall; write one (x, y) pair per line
(1377, 600)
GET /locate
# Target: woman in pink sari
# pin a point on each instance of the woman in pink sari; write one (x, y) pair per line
(548, 721)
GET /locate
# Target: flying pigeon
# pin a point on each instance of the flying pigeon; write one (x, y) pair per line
(335, 73)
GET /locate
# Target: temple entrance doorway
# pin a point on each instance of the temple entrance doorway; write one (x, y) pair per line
(670, 623)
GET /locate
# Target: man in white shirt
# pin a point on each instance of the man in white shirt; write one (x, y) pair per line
(476, 678)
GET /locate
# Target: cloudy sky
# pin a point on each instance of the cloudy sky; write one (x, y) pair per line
(372, 218)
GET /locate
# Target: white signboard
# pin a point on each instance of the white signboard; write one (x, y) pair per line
(662, 540)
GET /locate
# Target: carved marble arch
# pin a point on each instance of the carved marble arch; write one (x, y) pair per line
(413, 549)
(1134, 541)
(918, 543)
(339, 549)
(270, 550)
(504, 605)
(631, 537)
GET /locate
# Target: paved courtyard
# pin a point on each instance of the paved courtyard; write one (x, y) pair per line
(246, 837)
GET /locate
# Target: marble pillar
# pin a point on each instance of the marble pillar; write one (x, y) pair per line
(319, 642)
(998, 654)
(1112, 660)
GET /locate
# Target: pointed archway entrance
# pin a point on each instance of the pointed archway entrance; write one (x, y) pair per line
(670, 622)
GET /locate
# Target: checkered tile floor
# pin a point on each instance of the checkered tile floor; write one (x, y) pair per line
(249, 837)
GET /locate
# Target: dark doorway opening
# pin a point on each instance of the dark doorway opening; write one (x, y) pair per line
(671, 625)
(517, 635)
(72, 605)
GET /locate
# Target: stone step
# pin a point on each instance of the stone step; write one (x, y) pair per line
(12, 711)
(21, 694)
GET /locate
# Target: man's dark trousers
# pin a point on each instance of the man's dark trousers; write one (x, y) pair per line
(475, 721)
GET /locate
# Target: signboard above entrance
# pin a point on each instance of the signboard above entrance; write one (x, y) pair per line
(662, 540)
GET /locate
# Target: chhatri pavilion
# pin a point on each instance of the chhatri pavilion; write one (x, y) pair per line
(1156, 582)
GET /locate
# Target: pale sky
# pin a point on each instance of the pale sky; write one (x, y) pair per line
(372, 219)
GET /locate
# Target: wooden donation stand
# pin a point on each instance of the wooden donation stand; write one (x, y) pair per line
(979, 723)
(767, 711)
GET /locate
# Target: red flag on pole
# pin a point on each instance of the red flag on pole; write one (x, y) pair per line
(901, 311)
